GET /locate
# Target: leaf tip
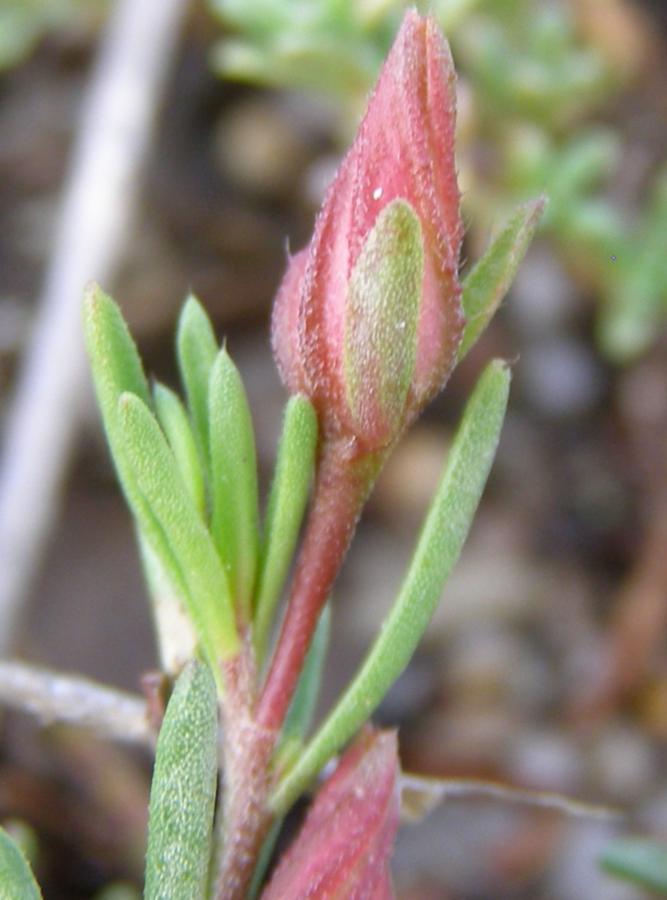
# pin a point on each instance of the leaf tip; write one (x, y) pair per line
(536, 207)
(192, 309)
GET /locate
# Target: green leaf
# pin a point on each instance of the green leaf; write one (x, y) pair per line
(381, 315)
(113, 353)
(287, 502)
(165, 496)
(114, 360)
(196, 349)
(234, 525)
(441, 540)
(633, 315)
(183, 791)
(117, 369)
(264, 859)
(16, 880)
(641, 861)
(176, 425)
(490, 279)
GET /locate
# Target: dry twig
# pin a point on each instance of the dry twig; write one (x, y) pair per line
(54, 697)
(98, 202)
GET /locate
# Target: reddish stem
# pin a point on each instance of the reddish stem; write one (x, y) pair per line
(243, 816)
(344, 480)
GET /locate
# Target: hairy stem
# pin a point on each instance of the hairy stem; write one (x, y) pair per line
(244, 816)
(344, 479)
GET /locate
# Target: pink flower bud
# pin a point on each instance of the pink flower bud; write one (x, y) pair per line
(346, 841)
(368, 318)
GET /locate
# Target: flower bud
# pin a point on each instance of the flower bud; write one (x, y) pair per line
(346, 841)
(368, 318)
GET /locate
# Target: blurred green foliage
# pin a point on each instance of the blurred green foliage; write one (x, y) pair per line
(641, 861)
(24, 22)
(534, 85)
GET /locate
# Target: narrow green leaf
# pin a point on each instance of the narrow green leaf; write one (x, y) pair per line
(165, 495)
(293, 474)
(176, 425)
(487, 283)
(113, 354)
(264, 859)
(117, 369)
(16, 880)
(25, 838)
(183, 790)
(381, 314)
(234, 525)
(196, 349)
(115, 364)
(639, 860)
(441, 540)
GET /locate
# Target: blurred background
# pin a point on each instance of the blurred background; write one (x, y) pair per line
(545, 666)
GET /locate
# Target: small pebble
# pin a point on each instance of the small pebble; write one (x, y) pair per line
(545, 760)
(623, 764)
(486, 664)
(259, 148)
(411, 476)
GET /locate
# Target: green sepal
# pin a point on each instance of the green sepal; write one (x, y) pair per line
(440, 542)
(381, 316)
(176, 425)
(196, 350)
(288, 497)
(639, 860)
(182, 800)
(165, 496)
(16, 879)
(487, 283)
(234, 521)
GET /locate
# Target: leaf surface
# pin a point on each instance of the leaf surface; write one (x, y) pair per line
(183, 790)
